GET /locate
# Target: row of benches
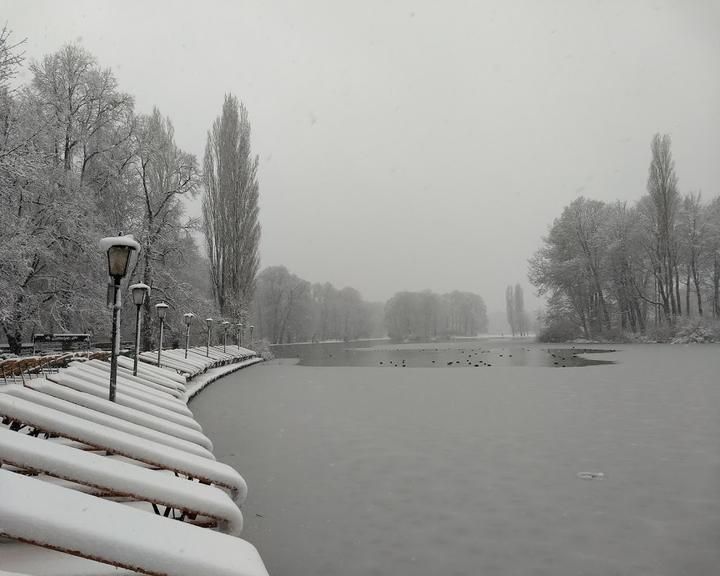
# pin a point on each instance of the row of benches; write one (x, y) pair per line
(89, 486)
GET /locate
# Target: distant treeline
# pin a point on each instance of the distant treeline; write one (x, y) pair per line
(611, 268)
(288, 309)
(426, 315)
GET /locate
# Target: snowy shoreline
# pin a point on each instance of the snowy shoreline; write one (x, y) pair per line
(200, 382)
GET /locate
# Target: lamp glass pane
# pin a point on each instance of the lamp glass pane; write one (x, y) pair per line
(118, 258)
(138, 295)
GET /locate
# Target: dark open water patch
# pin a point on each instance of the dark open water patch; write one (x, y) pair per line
(463, 354)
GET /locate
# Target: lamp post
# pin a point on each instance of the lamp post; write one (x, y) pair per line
(188, 320)
(239, 334)
(209, 322)
(251, 338)
(139, 293)
(118, 249)
(225, 325)
(161, 308)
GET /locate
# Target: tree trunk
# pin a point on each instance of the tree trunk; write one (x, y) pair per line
(14, 338)
(677, 290)
(697, 288)
(716, 287)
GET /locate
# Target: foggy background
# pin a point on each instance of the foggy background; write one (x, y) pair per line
(413, 145)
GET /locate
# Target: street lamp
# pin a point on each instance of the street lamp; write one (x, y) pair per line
(118, 249)
(139, 293)
(188, 320)
(251, 339)
(161, 308)
(239, 334)
(225, 325)
(209, 322)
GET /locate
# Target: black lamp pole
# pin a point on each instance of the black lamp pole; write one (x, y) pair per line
(139, 293)
(188, 320)
(225, 325)
(208, 321)
(115, 337)
(161, 310)
(118, 250)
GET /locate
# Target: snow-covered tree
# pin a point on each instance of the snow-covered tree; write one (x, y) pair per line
(230, 209)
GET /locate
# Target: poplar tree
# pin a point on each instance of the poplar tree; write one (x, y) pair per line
(230, 210)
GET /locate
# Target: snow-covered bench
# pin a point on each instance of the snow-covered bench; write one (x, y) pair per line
(104, 406)
(90, 415)
(171, 362)
(81, 385)
(69, 521)
(160, 399)
(199, 362)
(159, 375)
(214, 353)
(115, 441)
(119, 478)
(104, 369)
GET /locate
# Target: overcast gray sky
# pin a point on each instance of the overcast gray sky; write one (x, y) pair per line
(412, 145)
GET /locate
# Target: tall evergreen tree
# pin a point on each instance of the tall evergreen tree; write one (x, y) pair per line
(230, 210)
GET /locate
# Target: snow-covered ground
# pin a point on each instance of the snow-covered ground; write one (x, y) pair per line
(610, 469)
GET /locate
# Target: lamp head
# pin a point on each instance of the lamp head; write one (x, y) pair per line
(188, 317)
(118, 249)
(161, 308)
(139, 293)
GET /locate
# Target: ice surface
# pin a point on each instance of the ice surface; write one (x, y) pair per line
(475, 471)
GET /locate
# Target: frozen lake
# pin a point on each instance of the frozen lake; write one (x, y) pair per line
(500, 470)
